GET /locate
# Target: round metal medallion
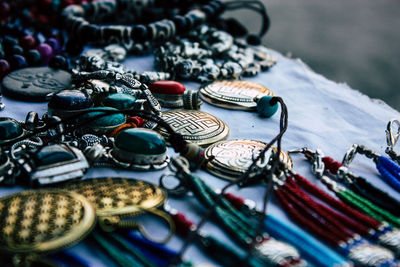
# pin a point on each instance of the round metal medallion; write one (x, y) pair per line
(195, 126)
(34, 84)
(233, 157)
(234, 94)
(119, 196)
(43, 221)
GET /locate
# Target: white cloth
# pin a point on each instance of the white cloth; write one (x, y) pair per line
(322, 114)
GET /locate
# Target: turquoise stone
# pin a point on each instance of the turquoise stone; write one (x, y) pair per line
(53, 154)
(9, 129)
(119, 101)
(106, 121)
(265, 108)
(141, 141)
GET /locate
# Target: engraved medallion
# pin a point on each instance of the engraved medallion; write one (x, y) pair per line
(43, 221)
(234, 94)
(195, 126)
(34, 84)
(231, 158)
(119, 196)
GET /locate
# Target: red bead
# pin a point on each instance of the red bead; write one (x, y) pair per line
(4, 68)
(136, 120)
(167, 87)
(27, 42)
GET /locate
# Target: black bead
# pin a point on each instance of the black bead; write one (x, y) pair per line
(33, 57)
(9, 42)
(58, 62)
(17, 62)
(180, 22)
(208, 10)
(139, 33)
(253, 39)
(16, 50)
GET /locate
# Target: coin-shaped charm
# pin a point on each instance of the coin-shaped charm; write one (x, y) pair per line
(195, 126)
(34, 84)
(42, 221)
(231, 158)
(119, 196)
(234, 94)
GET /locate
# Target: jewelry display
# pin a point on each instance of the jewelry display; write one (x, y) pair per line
(206, 54)
(195, 126)
(311, 248)
(267, 249)
(344, 231)
(383, 234)
(78, 20)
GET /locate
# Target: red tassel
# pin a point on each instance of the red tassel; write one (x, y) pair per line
(331, 164)
(183, 225)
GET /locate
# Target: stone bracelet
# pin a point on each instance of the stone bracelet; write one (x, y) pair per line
(78, 20)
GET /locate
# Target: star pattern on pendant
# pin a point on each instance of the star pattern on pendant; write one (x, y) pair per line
(62, 202)
(30, 204)
(13, 209)
(11, 220)
(107, 201)
(26, 223)
(28, 213)
(61, 212)
(42, 228)
(8, 230)
(60, 222)
(24, 234)
(43, 217)
(45, 207)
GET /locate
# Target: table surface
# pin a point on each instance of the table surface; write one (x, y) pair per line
(322, 114)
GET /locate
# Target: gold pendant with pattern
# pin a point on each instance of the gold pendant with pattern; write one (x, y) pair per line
(34, 222)
(118, 198)
(195, 126)
(229, 159)
(234, 94)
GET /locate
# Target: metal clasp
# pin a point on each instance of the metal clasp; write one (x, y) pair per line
(350, 154)
(391, 137)
(318, 167)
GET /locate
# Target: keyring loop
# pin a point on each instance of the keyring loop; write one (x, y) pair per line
(179, 190)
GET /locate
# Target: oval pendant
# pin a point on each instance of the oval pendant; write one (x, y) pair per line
(234, 94)
(229, 159)
(139, 149)
(195, 126)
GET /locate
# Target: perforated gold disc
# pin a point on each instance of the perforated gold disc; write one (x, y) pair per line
(118, 196)
(43, 221)
(231, 158)
(235, 94)
(195, 126)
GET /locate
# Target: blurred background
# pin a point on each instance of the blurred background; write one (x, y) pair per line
(357, 41)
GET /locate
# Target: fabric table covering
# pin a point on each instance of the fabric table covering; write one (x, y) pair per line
(322, 114)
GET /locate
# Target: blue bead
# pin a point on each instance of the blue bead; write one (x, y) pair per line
(70, 100)
(265, 108)
(17, 62)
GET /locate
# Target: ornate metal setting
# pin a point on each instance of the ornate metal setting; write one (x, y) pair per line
(234, 94)
(195, 126)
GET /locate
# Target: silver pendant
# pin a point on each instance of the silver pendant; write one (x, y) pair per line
(234, 94)
(229, 159)
(195, 126)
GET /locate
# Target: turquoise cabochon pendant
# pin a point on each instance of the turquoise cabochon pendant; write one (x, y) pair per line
(139, 149)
